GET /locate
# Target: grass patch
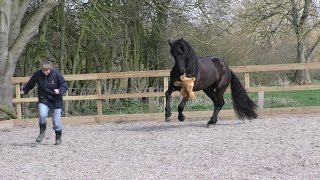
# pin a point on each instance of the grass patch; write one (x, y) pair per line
(292, 98)
(271, 100)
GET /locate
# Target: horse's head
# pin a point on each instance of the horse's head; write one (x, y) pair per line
(180, 50)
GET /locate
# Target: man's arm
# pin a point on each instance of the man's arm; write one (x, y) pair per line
(63, 85)
(30, 85)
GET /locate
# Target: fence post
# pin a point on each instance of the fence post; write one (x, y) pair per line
(18, 106)
(246, 80)
(151, 101)
(260, 100)
(99, 101)
(165, 88)
(66, 111)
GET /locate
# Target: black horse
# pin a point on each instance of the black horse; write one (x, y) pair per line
(212, 76)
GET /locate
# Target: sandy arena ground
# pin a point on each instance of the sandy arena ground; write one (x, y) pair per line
(266, 148)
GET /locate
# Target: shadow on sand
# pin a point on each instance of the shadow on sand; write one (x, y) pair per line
(31, 144)
(176, 125)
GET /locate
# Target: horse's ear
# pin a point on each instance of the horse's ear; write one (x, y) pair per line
(169, 42)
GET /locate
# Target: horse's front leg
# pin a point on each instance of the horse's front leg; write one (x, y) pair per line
(183, 102)
(168, 104)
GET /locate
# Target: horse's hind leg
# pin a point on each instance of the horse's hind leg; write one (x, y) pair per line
(218, 101)
(183, 102)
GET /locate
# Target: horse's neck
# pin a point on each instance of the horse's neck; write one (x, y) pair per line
(192, 66)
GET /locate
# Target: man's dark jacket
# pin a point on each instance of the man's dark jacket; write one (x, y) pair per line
(46, 86)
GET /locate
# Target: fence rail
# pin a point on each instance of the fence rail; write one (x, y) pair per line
(97, 77)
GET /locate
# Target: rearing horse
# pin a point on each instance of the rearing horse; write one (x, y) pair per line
(213, 76)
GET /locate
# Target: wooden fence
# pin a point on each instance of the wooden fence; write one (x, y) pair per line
(98, 97)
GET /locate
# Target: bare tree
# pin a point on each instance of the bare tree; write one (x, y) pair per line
(14, 36)
(274, 18)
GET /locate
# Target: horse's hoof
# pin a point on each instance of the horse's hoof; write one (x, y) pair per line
(210, 125)
(168, 119)
(213, 121)
(181, 117)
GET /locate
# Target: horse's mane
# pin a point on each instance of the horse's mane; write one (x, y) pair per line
(188, 50)
(190, 54)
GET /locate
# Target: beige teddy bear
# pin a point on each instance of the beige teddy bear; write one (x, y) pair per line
(187, 86)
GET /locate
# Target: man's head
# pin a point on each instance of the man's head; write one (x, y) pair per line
(46, 67)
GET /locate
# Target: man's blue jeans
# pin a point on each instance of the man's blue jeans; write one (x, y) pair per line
(56, 116)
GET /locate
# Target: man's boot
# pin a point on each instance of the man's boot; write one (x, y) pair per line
(58, 137)
(42, 132)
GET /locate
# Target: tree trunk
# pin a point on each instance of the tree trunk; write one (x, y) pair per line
(76, 64)
(158, 49)
(62, 28)
(302, 76)
(13, 39)
(300, 27)
(42, 41)
(6, 102)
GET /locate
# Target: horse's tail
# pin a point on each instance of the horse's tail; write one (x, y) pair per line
(243, 106)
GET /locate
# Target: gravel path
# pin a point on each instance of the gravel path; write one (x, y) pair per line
(266, 148)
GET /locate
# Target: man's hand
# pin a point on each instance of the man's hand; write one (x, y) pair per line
(22, 92)
(56, 91)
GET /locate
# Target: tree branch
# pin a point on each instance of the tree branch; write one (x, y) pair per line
(314, 49)
(8, 112)
(294, 14)
(31, 29)
(18, 9)
(306, 9)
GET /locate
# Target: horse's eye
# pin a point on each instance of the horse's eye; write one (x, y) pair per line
(180, 50)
